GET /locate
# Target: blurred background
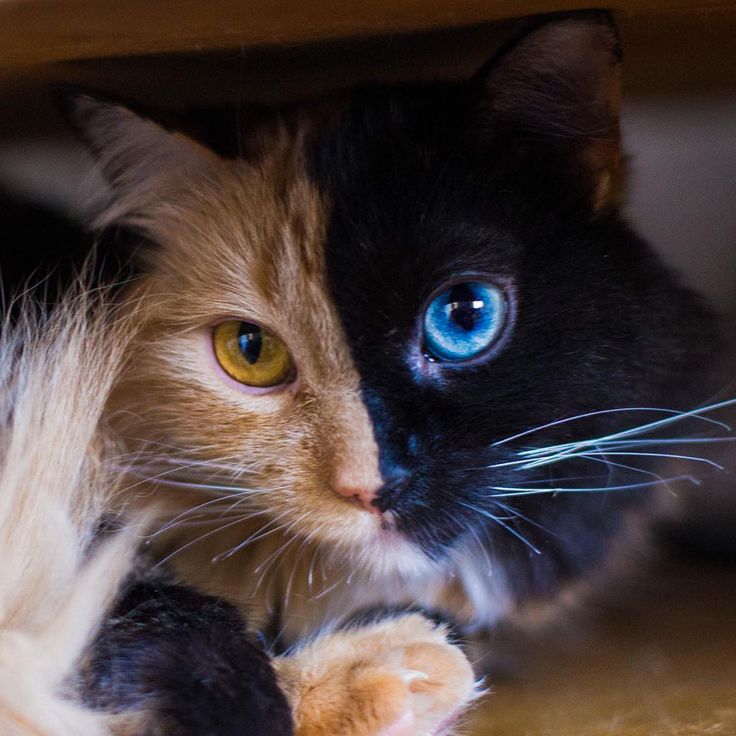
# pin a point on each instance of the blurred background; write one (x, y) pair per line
(679, 126)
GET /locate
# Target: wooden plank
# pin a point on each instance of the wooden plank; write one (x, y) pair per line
(39, 31)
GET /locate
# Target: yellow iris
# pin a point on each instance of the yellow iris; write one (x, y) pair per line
(251, 355)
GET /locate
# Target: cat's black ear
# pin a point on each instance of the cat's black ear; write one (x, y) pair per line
(552, 97)
(139, 159)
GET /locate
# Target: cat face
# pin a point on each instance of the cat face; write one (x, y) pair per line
(361, 324)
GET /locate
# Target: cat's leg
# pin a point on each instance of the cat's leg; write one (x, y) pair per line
(399, 677)
(172, 661)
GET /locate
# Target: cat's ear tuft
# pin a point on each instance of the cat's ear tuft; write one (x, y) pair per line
(138, 158)
(556, 92)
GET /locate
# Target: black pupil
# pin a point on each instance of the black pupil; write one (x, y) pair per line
(250, 340)
(463, 311)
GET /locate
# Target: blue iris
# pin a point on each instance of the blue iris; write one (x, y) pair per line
(464, 320)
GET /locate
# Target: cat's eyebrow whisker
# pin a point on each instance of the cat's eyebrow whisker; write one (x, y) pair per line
(676, 416)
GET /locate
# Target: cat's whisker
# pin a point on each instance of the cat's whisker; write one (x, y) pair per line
(182, 517)
(547, 456)
(482, 548)
(339, 580)
(261, 533)
(310, 537)
(525, 518)
(611, 464)
(672, 456)
(677, 441)
(271, 560)
(676, 416)
(510, 529)
(173, 523)
(508, 491)
(137, 470)
(287, 595)
(201, 538)
(213, 467)
(606, 440)
(228, 490)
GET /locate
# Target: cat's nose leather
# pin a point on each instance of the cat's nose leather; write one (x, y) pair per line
(378, 499)
(362, 497)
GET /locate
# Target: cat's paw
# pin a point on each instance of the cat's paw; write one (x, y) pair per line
(399, 677)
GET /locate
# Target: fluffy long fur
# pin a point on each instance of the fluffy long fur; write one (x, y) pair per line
(56, 580)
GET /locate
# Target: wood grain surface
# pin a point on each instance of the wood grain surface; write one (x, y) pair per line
(664, 664)
(38, 31)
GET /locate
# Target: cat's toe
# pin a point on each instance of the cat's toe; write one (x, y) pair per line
(399, 677)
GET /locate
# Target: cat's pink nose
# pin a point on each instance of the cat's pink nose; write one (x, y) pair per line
(362, 496)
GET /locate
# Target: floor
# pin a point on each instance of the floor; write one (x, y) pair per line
(662, 664)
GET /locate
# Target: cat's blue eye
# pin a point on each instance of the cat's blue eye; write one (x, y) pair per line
(463, 321)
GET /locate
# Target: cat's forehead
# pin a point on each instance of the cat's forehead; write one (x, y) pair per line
(248, 227)
(337, 213)
(248, 242)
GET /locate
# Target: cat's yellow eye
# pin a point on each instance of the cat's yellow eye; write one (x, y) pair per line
(251, 355)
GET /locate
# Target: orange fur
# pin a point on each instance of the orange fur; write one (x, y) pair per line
(364, 681)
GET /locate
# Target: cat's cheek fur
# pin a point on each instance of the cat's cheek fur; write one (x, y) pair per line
(293, 449)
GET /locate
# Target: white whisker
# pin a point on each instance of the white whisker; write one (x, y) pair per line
(676, 416)
(504, 491)
(508, 528)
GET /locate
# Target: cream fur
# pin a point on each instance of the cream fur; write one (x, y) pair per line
(55, 375)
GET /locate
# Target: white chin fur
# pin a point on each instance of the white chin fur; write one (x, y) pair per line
(389, 554)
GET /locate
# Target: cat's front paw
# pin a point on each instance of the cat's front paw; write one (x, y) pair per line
(399, 677)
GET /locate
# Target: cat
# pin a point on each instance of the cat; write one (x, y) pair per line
(394, 353)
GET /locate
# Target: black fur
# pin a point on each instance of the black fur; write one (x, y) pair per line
(429, 183)
(186, 660)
